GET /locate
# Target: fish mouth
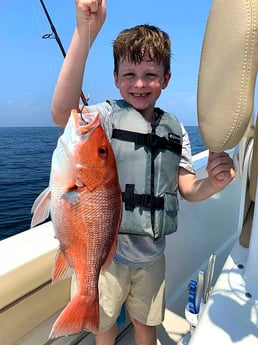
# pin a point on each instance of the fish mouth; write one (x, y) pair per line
(85, 122)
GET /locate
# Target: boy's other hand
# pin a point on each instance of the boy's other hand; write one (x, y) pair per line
(220, 169)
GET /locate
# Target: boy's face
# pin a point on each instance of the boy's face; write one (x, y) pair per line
(141, 84)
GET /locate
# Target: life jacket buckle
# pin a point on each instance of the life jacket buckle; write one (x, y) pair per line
(128, 197)
(150, 139)
(145, 200)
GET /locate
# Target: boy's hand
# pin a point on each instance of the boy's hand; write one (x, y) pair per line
(220, 169)
(90, 14)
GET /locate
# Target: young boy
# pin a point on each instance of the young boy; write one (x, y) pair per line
(151, 167)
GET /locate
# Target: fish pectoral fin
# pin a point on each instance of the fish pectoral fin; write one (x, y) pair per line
(61, 270)
(41, 207)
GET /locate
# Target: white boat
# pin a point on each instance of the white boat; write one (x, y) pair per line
(224, 227)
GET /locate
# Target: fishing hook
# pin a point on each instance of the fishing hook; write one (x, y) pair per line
(82, 118)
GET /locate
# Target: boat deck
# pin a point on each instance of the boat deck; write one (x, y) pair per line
(171, 332)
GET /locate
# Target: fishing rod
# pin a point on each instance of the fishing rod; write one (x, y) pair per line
(55, 35)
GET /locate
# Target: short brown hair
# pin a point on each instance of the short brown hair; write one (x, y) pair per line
(142, 42)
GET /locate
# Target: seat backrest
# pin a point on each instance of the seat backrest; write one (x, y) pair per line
(254, 165)
(226, 86)
(227, 74)
(246, 229)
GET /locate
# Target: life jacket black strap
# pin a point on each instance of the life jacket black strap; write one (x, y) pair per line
(133, 200)
(150, 139)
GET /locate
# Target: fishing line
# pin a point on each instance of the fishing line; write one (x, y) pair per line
(55, 35)
(89, 38)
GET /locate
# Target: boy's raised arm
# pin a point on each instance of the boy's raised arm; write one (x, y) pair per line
(90, 16)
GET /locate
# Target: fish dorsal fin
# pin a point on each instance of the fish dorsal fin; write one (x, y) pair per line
(41, 207)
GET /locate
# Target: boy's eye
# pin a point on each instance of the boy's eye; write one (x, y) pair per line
(128, 75)
(146, 75)
(151, 75)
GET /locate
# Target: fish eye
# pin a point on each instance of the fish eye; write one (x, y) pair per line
(103, 152)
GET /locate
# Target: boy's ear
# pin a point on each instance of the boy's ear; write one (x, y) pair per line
(167, 77)
(116, 79)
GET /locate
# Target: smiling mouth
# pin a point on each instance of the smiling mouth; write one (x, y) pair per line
(140, 95)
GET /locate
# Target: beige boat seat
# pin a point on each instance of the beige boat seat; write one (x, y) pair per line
(226, 84)
(245, 235)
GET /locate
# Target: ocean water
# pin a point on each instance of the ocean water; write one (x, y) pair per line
(25, 161)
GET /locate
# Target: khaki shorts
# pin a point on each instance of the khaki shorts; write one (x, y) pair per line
(141, 289)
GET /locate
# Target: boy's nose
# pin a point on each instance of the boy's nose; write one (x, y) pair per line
(140, 82)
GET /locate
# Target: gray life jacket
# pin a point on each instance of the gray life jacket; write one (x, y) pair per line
(147, 157)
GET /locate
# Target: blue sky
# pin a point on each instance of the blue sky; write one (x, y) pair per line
(29, 65)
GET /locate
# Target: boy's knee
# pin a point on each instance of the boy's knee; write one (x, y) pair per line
(144, 334)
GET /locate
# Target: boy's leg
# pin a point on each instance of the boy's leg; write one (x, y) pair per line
(144, 335)
(107, 338)
(146, 301)
(113, 289)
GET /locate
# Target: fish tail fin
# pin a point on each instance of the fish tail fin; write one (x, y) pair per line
(82, 312)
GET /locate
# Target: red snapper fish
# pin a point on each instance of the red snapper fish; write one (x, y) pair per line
(85, 203)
